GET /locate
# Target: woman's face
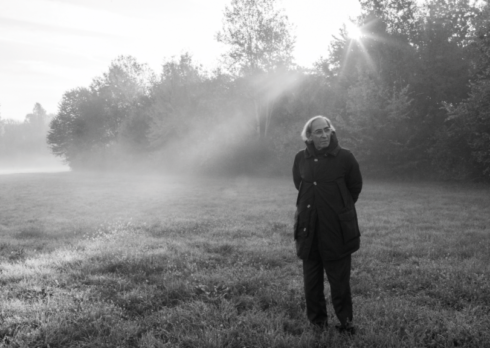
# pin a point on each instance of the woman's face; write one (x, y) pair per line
(320, 133)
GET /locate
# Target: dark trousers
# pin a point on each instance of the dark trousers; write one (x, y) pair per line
(338, 275)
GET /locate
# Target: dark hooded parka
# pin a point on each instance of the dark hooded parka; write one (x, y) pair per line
(329, 183)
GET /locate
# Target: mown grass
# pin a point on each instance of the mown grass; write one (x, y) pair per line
(121, 261)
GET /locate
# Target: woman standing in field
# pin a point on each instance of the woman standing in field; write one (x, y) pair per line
(326, 231)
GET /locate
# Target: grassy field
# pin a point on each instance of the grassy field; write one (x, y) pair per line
(120, 261)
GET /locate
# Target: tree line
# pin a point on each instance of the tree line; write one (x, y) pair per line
(409, 96)
(21, 141)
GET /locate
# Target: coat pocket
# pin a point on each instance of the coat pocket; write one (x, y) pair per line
(349, 225)
(301, 224)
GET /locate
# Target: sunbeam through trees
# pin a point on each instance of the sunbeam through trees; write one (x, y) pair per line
(401, 92)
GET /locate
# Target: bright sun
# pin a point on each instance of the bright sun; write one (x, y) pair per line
(353, 31)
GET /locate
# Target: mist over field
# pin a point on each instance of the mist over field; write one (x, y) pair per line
(23, 146)
(27, 164)
(405, 84)
(117, 260)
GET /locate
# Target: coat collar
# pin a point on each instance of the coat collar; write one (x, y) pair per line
(333, 149)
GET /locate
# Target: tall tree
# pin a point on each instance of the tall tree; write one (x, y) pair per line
(177, 100)
(35, 128)
(25, 139)
(463, 147)
(122, 87)
(258, 36)
(92, 121)
(418, 52)
(370, 76)
(260, 46)
(81, 129)
(38, 116)
(398, 15)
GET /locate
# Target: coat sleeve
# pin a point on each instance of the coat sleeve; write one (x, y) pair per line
(353, 178)
(296, 173)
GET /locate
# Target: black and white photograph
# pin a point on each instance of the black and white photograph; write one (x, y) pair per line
(244, 173)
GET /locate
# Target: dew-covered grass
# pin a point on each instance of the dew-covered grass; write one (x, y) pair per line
(122, 261)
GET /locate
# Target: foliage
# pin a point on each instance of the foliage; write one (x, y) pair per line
(418, 56)
(258, 37)
(19, 140)
(87, 129)
(376, 124)
(466, 134)
(386, 92)
(399, 16)
(80, 128)
(178, 99)
(260, 46)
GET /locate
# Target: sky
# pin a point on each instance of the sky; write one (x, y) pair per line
(48, 47)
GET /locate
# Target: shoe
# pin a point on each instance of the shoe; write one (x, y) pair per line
(346, 328)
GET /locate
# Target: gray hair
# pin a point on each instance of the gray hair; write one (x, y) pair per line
(306, 132)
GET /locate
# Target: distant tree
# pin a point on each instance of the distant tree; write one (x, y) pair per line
(11, 138)
(442, 74)
(370, 78)
(81, 127)
(38, 115)
(377, 119)
(418, 54)
(258, 36)
(399, 15)
(2, 125)
(123, 89)
(92, 121)
(35, 128)
(463, 147)
(177, 100)
(260, 46)
(24, 140)
(385, 93)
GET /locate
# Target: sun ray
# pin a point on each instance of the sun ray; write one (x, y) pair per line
(358, 37)
(353, 31)
(368, 58)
